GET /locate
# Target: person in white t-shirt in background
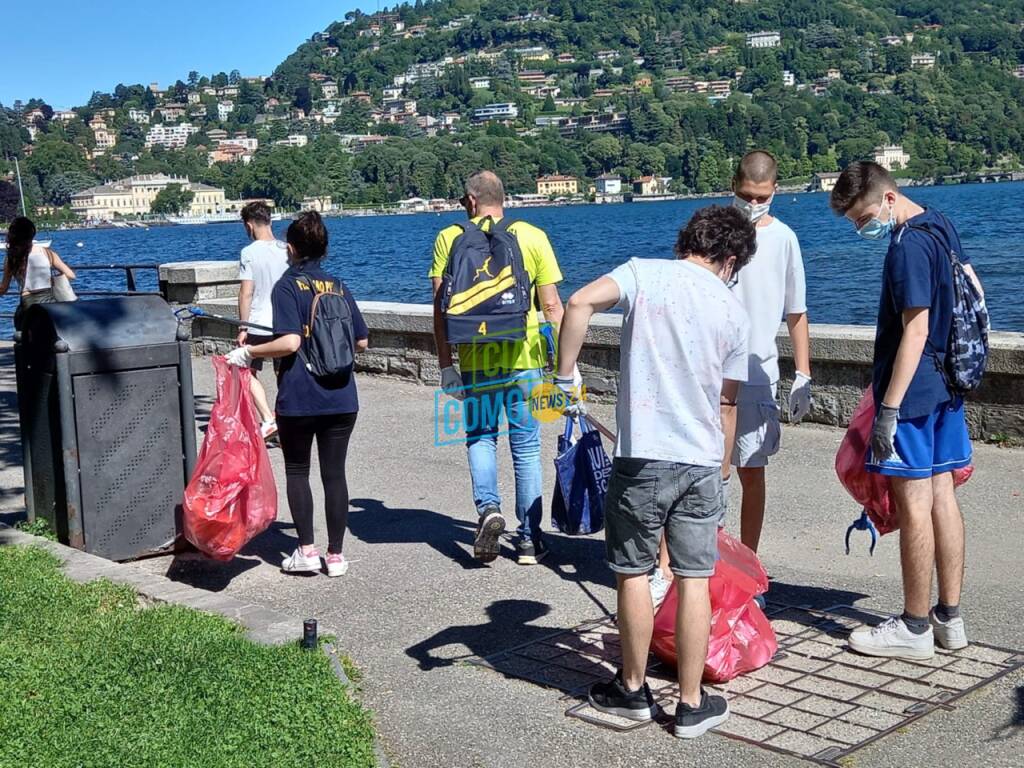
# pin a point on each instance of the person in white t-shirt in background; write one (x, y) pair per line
(771, 288)
(263, 262)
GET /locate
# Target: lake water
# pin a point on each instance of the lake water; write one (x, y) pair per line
(386, 257)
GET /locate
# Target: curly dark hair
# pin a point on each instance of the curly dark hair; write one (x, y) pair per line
(307, 236)
(256, 212)
(718, 232)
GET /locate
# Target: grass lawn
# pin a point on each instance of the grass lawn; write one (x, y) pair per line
(88, 678)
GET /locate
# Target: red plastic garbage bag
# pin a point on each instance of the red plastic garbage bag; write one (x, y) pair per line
(742, 638)
(232, 496)
(868, 489)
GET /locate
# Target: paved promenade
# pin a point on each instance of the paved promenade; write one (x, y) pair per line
(415, 604)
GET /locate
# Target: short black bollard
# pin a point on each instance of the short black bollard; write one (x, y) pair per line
(309, 634)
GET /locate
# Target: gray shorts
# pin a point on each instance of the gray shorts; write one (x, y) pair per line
(257, 362)
(646, 498)
(758, 431)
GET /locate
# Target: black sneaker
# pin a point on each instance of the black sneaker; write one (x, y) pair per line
(486, 545)
(612, 698)
(531, 551)
(691, 723)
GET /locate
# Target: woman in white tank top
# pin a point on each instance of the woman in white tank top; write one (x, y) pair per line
(31, 266)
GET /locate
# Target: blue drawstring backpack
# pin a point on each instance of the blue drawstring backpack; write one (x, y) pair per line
(582, 469)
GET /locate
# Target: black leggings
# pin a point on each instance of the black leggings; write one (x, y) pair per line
(332, 435)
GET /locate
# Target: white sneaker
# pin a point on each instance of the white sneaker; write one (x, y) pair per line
(659, 587)
(337, 565)
(951, 635)
(300, 562)
(892, 639)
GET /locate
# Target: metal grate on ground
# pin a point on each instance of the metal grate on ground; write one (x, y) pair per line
(815, 700)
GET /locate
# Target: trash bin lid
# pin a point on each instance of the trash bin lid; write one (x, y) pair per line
(109, 323)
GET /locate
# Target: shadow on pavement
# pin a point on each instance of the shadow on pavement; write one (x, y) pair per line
(509, 625)
(375, 523)
(808, 596)
(197, 570)
(1015, 726)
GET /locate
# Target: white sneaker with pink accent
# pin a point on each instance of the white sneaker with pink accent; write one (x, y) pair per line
(302, 562)
(337, 565)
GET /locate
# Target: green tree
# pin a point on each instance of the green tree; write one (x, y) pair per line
(172, 200)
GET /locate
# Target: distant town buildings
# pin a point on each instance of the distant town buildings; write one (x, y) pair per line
(170, 136)
(788, 79)
(558, 185)
(823, 182)
(608, 184)
(891, 157)
(503, 112)
(224, 110)
(652, 186)
(139, 116)
(480, 83)
(922, 60)
(294, 140)
(891, 40)
(134, 196)
(1019, 71)
(764, 39)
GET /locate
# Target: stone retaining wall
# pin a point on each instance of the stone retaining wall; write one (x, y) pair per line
(402, 345)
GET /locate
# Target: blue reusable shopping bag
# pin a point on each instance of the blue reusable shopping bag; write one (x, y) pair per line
(582, 469)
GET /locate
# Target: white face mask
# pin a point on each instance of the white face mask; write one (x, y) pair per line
(754, 211)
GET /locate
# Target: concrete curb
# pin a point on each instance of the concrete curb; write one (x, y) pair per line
(263, 625)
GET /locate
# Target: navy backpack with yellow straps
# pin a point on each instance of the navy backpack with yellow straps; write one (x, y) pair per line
(485, 289)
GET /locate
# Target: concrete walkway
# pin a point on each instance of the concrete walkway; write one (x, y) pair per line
(415, 604)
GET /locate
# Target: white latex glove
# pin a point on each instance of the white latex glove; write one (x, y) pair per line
(240, 357)
(800, 399)
(572, 389)
(451, 383)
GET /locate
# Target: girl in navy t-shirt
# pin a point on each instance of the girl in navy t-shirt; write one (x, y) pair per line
(309, 407)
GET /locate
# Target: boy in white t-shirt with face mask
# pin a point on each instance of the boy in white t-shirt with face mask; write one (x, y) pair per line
(263, 262)
(771, 288)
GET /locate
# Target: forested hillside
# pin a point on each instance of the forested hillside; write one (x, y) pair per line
(631, 87)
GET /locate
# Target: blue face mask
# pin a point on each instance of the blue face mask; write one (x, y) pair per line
(876, 229)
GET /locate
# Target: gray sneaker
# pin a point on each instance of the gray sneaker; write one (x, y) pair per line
(951, 635)
(892, 639)
(487, 545)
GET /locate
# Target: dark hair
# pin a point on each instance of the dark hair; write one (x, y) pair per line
(858, 181)
(20, 235)
(718, 232)
(307, 236)
(256, 213)
(756, 166)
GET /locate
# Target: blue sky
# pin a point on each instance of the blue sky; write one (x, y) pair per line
(75, 47)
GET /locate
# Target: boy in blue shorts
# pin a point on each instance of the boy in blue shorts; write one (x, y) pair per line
(920, 434)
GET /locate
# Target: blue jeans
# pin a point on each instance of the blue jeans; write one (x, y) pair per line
(487, 397)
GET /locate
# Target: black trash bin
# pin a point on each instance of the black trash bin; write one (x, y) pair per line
(107, 422)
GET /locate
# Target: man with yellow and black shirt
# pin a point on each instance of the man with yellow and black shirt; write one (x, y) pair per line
(496, 377)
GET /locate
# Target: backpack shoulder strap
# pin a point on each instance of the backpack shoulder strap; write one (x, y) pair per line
(942, 240)
(504, 224)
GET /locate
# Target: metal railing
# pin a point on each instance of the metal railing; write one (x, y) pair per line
(131, 285)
